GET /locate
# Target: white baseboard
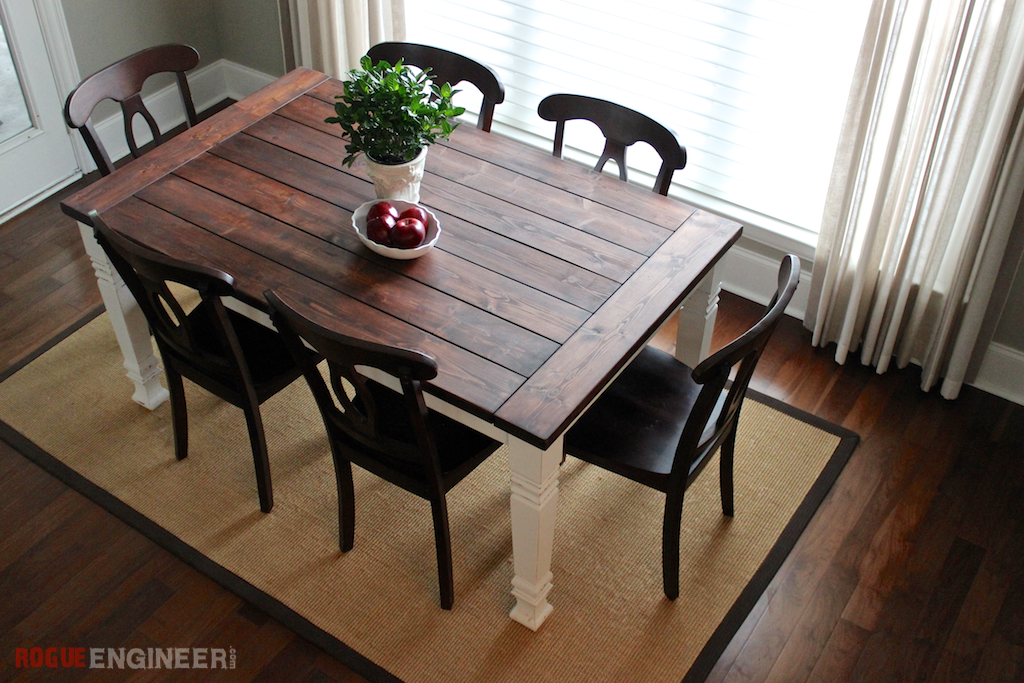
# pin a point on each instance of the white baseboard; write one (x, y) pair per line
(1002, 373)
(210, 85)
(240, 81)
(755, 277)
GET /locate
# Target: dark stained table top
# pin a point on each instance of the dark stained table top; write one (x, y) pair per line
(546, 279)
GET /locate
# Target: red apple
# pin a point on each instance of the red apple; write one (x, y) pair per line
(382, 209)
(415, 212)
(408, 233)
(379, 228)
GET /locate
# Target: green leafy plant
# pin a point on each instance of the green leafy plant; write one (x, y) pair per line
(391, 112)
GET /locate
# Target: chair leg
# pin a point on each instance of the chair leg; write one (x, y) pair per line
(259, 456)
(179, 413)
(670, 545)
(725, 476)
(443, 541)
(346, 503)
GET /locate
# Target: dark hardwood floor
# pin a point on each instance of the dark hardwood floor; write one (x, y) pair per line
(912, 569)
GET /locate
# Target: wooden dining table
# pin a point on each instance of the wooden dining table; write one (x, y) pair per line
(547, 279)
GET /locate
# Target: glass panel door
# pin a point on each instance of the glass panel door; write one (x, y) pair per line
(14, 117)
(37, 156)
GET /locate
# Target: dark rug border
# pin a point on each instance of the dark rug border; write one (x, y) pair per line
(751, 593)
(192, 557)
(360, 664)
(57, 339)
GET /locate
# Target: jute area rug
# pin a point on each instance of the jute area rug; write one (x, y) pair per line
(376, 608)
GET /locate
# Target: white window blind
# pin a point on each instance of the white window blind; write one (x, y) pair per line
(756, 88)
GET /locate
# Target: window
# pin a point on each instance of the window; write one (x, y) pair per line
(756, 88)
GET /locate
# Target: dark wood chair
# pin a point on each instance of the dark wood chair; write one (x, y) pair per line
(391, 434)
(224, 352)
(622, 127)
(122, 82)
(447, 67)
(659, 423)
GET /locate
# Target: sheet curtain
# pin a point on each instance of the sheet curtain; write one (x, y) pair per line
(928, 177)
(331, 35)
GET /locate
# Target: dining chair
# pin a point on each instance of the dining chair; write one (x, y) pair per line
(622, 127)
(122, 82)
(660, 422)
(224, 352)
(447, 67)
(389, 433)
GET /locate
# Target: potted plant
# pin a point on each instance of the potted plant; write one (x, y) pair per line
(391, 114)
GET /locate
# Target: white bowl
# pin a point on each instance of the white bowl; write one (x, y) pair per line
(433, 231)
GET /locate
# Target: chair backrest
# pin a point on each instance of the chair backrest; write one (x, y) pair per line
(447, 67)
(206, 343)
(713, 373)
(368, 435)
(122, 82)
(621, 127)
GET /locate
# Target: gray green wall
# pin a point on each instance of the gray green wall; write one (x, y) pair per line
(1010, 330)
(244, 31)
(250, 34)
(103, 31)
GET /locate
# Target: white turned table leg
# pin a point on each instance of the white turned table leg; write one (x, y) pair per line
(533, 504)
(130, 326)
(697, 319)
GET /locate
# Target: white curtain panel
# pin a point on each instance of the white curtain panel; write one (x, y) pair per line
(332, 35)
(927, 180)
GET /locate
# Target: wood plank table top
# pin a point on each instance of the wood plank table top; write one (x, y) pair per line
(546, 279)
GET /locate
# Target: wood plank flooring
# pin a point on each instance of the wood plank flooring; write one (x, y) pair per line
(913, 568)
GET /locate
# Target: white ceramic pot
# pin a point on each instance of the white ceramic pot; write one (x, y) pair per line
(397, 181)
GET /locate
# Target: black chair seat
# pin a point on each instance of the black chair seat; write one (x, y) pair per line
(660, 423)
(625, 432)
(270, 363)
(459, 449)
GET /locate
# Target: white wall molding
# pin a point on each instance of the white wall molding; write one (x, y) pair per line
(755, 276)
(63, 64)
(1002, 373)
(240, 81)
